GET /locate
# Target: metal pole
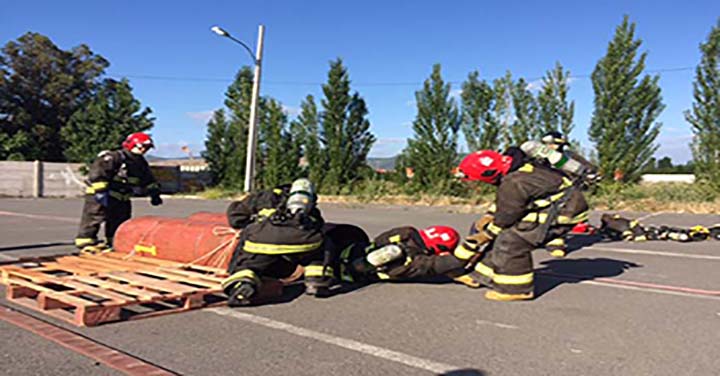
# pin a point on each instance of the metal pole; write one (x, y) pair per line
(252, 127)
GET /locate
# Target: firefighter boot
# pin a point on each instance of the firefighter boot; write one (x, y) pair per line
(503, 297)
(94, 249)
(240, 293)
(318, 279)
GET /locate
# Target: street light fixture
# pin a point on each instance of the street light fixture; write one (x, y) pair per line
(252, 123)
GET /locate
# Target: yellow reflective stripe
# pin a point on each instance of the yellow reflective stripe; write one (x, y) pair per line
(277, 191)
(527, 167)
(582, 217)
(463, 253)
(99, 185)
(493, 228)
(120, 196)
(504, 279)
(548, 201)
(84, 241)
(151, 249)
(557, 242)
(345, 276)
(345, 254)
(266, 212)
(133, 180)
(566, 183)
(153, 186)
(90, 190)
(492, 208)
(484, 270)
(318, 271)
(383, 276)
(394, 239)
(242, 274)
(279, 249)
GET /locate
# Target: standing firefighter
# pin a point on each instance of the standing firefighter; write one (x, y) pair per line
(405, 253)
(534, 204)
(113, 177)
(281, 229)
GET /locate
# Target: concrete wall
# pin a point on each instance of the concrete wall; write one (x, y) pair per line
(48, 179)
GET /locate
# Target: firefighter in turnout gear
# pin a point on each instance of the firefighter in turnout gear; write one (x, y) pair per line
(534, 204)
(281, 229)
(112, 180)
(405, 253)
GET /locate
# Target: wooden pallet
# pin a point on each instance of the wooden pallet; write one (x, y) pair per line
(89, 290)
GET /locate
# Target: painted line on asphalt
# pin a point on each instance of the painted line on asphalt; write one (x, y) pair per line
(345, 343)
(38, 216)
(652, 253)
(121, 361)
(644, 289)
(497, 324)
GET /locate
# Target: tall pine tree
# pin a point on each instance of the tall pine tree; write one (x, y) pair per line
(524, 125)
(272, 165)
(479, 126)
(503, 112)
(345, 131)
(705, 114)
(555, 110)
(307, 122)
(432, 152)
(237, 100)
(217, 146)
(623, 125)
(111, 115)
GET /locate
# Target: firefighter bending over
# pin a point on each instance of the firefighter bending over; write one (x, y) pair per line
(113, 177)
(281, 229)
(534, 203)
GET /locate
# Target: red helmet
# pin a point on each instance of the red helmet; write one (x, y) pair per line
(137, 139)
(484, 165)
(440, 239)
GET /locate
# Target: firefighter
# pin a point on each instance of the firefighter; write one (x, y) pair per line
(618, 228)
(405, 253)
(281, 229)
(112, 180)
(556, 154)
(534, 203)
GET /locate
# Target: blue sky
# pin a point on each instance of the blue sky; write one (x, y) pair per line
(389, 47)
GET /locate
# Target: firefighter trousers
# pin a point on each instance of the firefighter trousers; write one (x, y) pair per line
(94, 214)
(507, 267)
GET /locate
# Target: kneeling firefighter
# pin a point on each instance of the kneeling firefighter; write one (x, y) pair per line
(281, 229)
(112, 180)
(408, 253)
(534, 204)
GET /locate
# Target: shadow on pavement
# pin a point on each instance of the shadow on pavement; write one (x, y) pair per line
(33, 246)
(557, 272)
(577, 242)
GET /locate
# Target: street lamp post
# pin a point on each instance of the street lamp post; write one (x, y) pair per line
(252, 123)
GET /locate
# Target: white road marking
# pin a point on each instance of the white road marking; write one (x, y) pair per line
(345, 343)
(498, 324)
(575, 351)
(36, 216)
(644, 217)
(647, 289)
(652, 253)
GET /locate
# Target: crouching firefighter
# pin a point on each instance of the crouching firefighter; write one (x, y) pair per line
(281, 229)
(404, 253)
(534, 204)
(113, 178)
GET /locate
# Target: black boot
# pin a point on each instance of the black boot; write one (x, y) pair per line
(240, 294)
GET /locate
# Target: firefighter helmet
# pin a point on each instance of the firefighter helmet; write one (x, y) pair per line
(134, 141)
(440, 239)
(484, 165)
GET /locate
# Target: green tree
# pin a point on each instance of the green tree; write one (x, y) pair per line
(41, 87)
(111, 115)
(432, 152)
(524, 125)
(237, 100)
(623, 125)
(273, 166)
(345, 130)
(705, 114)
(480, 127)
(217, 146)
(307, 125)
(555, 110)
(502, 88)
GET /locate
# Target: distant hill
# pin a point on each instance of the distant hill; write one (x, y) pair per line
(387, 163)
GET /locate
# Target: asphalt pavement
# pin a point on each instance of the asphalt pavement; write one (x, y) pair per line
(609, 308)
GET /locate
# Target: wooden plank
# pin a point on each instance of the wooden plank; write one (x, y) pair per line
(58, 295)
(182, 278)
(142, 295)
(153, 283)
(90, 264)
(160, 262)
(104, 293)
